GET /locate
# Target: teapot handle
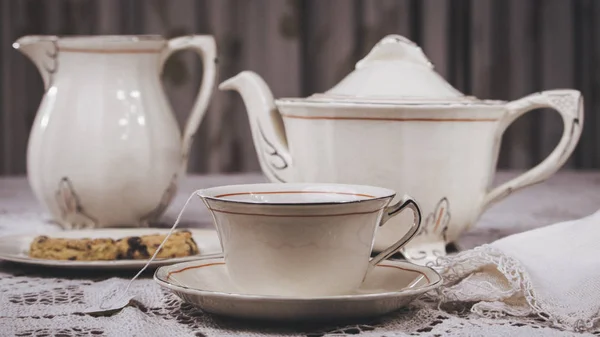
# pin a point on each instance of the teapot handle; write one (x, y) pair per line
(569, 104)
(206, 48)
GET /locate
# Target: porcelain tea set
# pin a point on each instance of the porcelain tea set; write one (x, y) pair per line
(105, 151)
(301, 251)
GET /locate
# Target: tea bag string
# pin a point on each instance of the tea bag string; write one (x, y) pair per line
(158, 249)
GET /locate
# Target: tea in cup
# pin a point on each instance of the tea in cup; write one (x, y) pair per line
(303, 240)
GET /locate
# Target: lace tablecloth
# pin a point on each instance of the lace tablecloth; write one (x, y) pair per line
(36, 302)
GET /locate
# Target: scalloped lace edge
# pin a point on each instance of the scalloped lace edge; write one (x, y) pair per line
(456, 268)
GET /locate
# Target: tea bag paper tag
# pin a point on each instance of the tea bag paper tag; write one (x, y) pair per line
(111, 301)
(116, 299)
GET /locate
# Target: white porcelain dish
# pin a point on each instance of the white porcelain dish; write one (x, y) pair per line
(15, 248)
(206, 284)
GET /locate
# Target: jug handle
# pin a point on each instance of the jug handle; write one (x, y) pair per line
(569, 104)
(205, 47)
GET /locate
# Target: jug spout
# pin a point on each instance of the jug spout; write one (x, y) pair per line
(42, 50)
(268, 132)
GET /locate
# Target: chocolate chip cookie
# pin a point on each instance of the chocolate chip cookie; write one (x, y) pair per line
(44, 247)
(179, 244)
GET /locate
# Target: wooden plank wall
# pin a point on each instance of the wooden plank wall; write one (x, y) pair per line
(500, 49)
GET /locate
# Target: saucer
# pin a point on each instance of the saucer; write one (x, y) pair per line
(205, 283)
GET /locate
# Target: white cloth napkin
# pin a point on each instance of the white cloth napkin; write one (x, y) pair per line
(553, 272)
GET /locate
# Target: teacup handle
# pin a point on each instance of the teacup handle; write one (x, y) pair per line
(391, 211)
(569, 104)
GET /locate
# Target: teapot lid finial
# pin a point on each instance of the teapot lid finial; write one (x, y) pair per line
(394, 47)
(396, 69)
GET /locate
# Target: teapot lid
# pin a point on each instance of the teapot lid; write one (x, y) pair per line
(395, 70)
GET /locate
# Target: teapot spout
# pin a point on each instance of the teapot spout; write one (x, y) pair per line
(42, 50)
(266, 124)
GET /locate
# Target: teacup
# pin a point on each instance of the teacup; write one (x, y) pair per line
(303, 240)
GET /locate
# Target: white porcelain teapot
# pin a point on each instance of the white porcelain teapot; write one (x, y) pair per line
(105, 149)
(394, 122)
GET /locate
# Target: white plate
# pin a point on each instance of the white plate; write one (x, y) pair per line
(206, 284)
(15, 248)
